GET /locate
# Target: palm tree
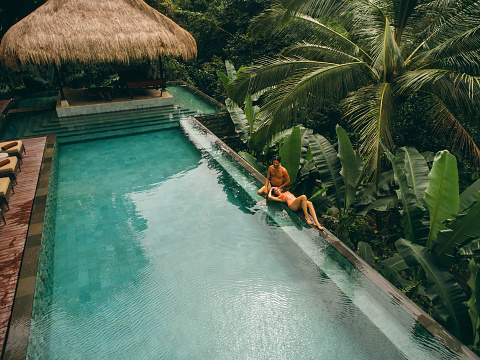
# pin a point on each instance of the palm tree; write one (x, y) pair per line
(391, 50)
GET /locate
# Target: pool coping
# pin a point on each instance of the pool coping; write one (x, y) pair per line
(431, 325)
(16, 338)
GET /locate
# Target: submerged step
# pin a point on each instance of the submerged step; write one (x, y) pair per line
(71, 138)
(110, 118)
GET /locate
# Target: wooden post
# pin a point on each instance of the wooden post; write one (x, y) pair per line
(162, 73)
(61, 81)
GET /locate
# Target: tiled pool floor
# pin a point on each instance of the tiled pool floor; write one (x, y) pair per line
(14, 233)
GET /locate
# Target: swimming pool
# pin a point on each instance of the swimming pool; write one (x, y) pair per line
(169, 253)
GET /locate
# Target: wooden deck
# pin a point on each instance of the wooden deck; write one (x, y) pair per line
(14, 233)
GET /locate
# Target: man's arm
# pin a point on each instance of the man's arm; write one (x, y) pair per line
(287, 178)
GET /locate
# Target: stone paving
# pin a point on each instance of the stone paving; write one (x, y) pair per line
(13, 234)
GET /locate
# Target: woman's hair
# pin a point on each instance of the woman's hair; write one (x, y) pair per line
(273, 194)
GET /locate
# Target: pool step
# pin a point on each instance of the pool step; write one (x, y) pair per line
(117, 129)
(112, 117)
(70, 138)
(111, 125)
(85, 122)
(99, 126)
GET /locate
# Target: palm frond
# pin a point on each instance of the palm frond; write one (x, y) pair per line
(385, 51)
(461, 89)
(302, 27)
(265, 74)
(309, 87)
(370, 110)
(316, 52)
(447, 126)
(447, 31)
(402, 11)
(459, 52)
(467, 62)
(319, 8)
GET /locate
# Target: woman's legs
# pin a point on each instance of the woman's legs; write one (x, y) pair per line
(306, 205)
(301, 201)
(314, 215)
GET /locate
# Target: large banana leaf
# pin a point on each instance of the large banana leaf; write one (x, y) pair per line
(413, 211)
(383, 203)
(441, 195)
(317, 194)
(232, 74)
(443, 290)
(365, 251)
(349, 171)
(306, 151)
(282, 135)
(225, 80)
(395, 263)
(249, 113)
(461, 232)
(239, 119)
(474, 302)
(416, 170)
(469, 196)
(290, 153)
(252, 161)
(329, 166)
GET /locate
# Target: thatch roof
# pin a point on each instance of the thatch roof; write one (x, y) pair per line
(85, 31)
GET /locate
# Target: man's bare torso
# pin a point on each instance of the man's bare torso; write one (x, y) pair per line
(277, 175)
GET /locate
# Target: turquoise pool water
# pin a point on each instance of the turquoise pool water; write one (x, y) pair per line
(163, 250)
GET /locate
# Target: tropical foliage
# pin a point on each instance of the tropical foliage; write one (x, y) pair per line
(435, 229)
(376, 56)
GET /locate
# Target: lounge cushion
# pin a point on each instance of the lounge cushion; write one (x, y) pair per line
(11, 166)
(10, 145)
(4, 162)
(15, 149)
(4, 184)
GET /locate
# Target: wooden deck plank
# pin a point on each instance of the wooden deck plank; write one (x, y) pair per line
(13, 234)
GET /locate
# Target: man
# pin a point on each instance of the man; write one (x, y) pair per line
(277, 176)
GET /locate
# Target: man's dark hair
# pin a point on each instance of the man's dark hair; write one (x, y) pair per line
(276, 157)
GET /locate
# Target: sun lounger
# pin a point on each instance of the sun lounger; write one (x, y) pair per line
(11, 169)
(16, 150)
(5, 188)
(3, 217)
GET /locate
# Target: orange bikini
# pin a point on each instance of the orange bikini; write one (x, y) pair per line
(282, 195)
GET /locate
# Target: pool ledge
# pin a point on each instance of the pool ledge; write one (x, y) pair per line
(437, 330)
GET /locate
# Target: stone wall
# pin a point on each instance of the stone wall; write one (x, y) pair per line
(222, 126)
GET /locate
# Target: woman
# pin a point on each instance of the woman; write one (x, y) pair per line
(295, 203)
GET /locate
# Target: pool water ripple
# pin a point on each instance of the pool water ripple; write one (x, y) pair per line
(174, 260)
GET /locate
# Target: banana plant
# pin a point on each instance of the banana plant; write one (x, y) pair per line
(430, 248)
(474, 302)
(290, 152)
(243, 119)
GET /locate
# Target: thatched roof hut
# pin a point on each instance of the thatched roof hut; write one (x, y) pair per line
(85, 31)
